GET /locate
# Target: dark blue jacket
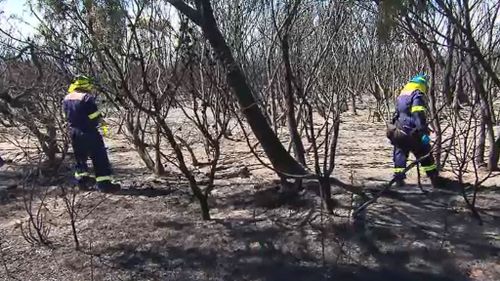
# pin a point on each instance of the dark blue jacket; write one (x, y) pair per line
(411, 109)
(81, 111)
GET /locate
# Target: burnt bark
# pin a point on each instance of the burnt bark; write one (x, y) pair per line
(481, 142)
(298, 146)
(203, 16)
(486, 117)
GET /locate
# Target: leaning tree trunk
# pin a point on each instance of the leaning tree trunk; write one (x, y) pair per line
(203, 16)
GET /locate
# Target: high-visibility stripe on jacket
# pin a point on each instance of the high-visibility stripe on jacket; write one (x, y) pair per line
(81, 111)
(411, 108)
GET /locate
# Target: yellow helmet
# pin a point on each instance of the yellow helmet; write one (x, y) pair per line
(82, 83)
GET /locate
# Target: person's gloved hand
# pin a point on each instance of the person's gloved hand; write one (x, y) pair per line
(1, 162)
(104, 130)
(426, 139)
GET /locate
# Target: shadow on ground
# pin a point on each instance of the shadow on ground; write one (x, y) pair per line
(260, 262)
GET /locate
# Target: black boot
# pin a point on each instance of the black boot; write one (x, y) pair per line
(400, 183)
(438, 181)
(108, 187)
(400, 179)
(86, 183)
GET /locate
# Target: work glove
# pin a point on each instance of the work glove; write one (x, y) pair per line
(426, 139)
(105, 130)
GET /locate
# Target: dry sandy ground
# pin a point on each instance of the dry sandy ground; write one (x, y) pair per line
(153, 231)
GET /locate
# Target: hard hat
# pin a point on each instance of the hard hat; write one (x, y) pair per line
(420, 79)
(81, 82)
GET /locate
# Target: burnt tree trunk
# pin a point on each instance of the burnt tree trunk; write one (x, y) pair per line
(51, 146)
(159, 169)
(298, 146)
(481, 142)
(486, 118)
(435, 119)
(205, 209)
(133, 126)
(353, 104)
(448, 77)
(203, 16)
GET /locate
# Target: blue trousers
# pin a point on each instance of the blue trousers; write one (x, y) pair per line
(419, 150)
(90, 145)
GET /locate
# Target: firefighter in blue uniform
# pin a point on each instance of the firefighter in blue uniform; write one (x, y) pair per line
(410, 121)
(84, 118)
